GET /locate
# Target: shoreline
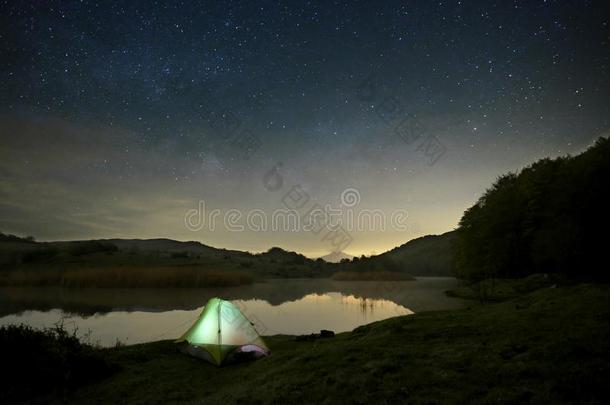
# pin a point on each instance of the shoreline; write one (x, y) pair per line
(484, 353)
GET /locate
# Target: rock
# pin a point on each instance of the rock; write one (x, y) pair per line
(311, 337)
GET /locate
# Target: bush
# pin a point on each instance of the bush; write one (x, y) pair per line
(90, 247)
(179, 255)
(39, 255)
(41, 362)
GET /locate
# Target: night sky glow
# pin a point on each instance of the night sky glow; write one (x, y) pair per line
(119, 117)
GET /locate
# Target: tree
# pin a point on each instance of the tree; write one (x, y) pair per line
(547, 218)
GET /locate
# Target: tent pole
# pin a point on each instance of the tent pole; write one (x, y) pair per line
(219, 335)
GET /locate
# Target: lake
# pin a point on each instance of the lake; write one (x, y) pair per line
(286, 306)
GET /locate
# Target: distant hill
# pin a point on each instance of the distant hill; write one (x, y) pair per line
(123, 256)
(336, 257)
(15, 239)
(279, 255)
(426, 256)
(162, 244)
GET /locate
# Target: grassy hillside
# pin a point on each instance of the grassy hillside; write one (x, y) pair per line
(145, 263)
(426, 256)
(508, 352)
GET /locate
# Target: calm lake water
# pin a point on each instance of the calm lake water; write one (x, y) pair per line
(275, 306)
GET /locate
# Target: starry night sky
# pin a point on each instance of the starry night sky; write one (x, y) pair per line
(117, 118)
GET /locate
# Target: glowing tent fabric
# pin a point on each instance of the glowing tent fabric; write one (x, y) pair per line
(222, 334)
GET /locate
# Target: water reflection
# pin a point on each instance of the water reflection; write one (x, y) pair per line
(276, 307)
(333, 311)
(425, 294)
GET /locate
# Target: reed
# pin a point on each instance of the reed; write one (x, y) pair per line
(371, 276)
(127, 277)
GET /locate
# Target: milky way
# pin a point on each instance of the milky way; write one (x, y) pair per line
(118, 118)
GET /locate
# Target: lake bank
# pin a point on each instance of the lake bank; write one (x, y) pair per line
(506, 352)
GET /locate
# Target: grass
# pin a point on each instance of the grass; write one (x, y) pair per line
(127, 277)
(548, 346)
(371, 276)
(498, 290)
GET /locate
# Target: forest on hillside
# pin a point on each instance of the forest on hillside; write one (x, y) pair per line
(551, 217)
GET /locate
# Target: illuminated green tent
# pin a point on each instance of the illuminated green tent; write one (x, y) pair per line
(222, 334)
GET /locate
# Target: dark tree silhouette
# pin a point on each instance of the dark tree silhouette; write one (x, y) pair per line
(550, 218)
